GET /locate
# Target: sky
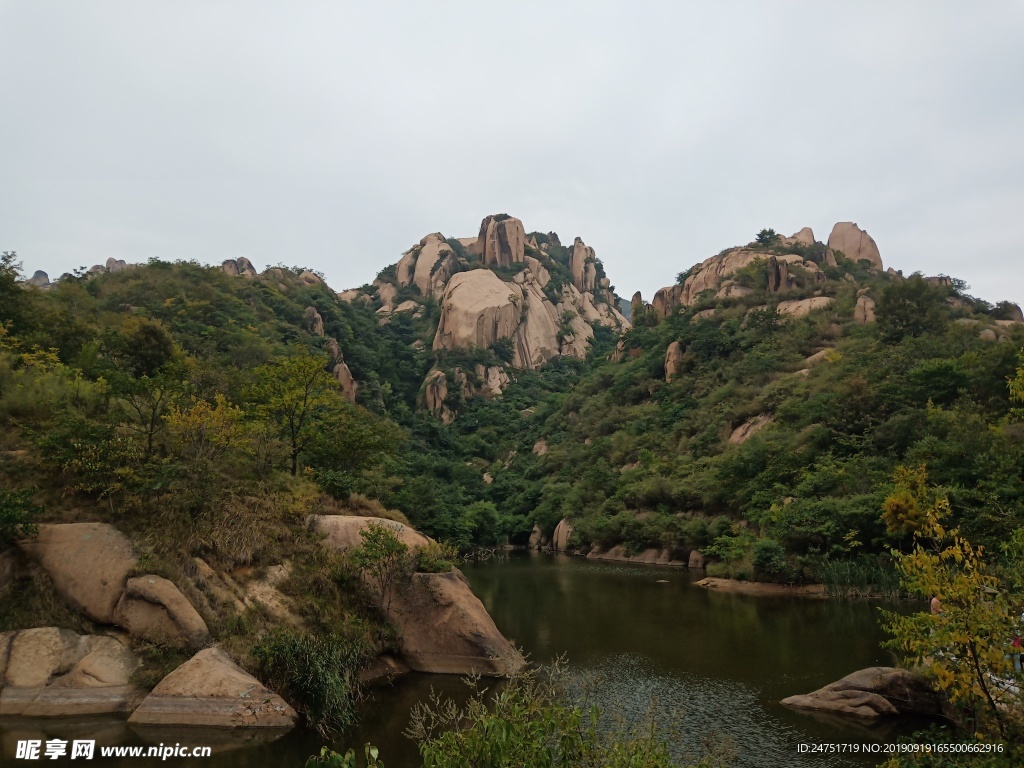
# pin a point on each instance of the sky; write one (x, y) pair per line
(335, 135)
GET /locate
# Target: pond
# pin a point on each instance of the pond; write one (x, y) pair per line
(714, 664)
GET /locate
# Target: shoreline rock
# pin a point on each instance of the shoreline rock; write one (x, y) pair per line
(652, 556)
(443, 627)
(51, 672)
(762, 589)
(872, 693)
(210, 690)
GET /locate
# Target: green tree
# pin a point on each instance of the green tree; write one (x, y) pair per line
(296, 393)
(384, 559)
(767, 237)
(911, 307)
(10, 269)
(1017, 387)
(146, 401)
(143, 347)
(351, 446)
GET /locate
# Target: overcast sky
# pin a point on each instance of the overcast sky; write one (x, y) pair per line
(335, 135)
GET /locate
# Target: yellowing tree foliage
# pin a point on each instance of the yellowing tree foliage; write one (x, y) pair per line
(967, 647)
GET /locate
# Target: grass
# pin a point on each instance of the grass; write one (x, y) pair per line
(318, 674)
(863, 577)
(32, 601)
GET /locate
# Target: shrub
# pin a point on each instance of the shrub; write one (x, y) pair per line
(436, 557)
(16, 514)
(769, 558)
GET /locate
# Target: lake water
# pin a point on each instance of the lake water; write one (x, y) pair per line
(712, 664)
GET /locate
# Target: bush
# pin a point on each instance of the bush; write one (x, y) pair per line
(16, 514)
(769, 558)
(436, 557)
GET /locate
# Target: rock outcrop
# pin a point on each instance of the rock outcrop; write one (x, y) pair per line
(154, 609)
(240, 267)
(804, 237)
(750, 427)
(636, 306)
(51, 672)
(855, 243)
(494, 379)
(711, 273)
(313, 322)
(651, 556)
(211, 690)
(872, 693)
(435, 395)
(803, 307)
(89, 564)
(667, 301)
(309, 278)
(582, 265)
(1014, 312)
(778, 275)
(501, 242)
(478, 309)
(428, 265)
(443, 627)
(39, 279)
(561, 536)
(343, 532)
(673, 360)
(864, 313)
(343, 375)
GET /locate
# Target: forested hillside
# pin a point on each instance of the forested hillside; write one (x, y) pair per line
(756, 421)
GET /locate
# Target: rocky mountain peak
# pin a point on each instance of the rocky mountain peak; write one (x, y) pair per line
(855, 243)
(501, 242)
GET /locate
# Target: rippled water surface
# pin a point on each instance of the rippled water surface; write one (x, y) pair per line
(710, 664)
